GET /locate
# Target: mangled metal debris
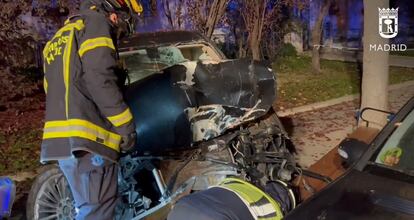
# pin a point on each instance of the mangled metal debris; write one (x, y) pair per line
(203, 99)
(210, 121)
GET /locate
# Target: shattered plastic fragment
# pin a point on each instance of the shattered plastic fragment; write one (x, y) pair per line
(209, 121)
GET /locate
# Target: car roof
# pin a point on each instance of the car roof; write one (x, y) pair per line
(140, 40)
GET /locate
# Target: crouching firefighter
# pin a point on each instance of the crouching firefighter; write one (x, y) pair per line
(235, 199)
(87, 122)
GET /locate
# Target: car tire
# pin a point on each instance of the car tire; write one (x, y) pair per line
(50, 196)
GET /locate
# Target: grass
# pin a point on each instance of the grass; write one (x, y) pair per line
(20, 151)
(297, 85)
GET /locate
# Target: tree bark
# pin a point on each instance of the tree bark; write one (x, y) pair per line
(215, 14)
(242, 50)
(317, 35)
(374, 88)
(254, 15)
(167, 13)
(255, 37)
(255, 50)
(206, 14)
(173, 10)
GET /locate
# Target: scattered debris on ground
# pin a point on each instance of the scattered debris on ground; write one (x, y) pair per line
(315, 133)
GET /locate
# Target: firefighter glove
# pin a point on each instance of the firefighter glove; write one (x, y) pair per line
(128, 142)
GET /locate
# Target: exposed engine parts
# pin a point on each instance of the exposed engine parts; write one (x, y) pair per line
(258, 153)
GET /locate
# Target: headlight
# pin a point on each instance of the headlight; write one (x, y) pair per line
(342, 153)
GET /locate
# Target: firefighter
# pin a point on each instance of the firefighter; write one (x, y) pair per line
(235, 199)
(87, 123)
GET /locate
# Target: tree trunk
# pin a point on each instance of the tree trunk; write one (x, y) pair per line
(316, 64)
(216, 12)
(179, 14)
(255, 46)
(167, 13)
(317, 35)
(255, 41)
(374, 92)
(242, 50)
(256, 20)
(173, 10)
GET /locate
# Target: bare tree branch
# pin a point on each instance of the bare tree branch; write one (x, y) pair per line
(173, 10)
(206, 14)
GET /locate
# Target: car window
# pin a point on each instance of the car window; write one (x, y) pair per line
(145, 62)
(199, 52)
(398, 150)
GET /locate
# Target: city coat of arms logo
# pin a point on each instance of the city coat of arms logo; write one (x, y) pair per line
(388, 22)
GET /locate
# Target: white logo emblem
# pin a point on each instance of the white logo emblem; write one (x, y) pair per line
(388, 22)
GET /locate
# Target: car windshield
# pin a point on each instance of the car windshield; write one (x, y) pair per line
(398, 151)
(145, 62)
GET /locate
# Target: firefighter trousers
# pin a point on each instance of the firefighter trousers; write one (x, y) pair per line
(93, 182)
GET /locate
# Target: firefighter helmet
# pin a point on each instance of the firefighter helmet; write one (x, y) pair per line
(130, 6)
(126, 10)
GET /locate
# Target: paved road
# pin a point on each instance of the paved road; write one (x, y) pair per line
(316, 132)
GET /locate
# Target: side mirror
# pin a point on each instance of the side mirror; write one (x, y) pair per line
(360, 114)
(350, 150)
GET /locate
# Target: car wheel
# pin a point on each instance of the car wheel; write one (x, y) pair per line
(50, 196)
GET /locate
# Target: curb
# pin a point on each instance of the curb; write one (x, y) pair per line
(318, 105)
(401, 85)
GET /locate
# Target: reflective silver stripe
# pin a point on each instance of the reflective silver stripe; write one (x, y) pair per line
(260, 209)
(121, 119)
(264, 207)
(266, 210)
(252, 211)
(81, 128)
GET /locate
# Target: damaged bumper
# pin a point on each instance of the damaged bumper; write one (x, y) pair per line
(195, 101)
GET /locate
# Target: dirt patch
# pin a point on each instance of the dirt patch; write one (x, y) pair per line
(21, 122)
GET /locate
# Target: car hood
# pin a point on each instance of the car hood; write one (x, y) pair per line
(360, 195)
(196, 101)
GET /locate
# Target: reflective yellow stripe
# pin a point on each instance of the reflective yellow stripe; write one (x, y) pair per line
(121, 119)
(78, 25)
(252, 194)
(46, 50)
(81, 128)
(136, 6)
(66, 69)
(94, 43)
(45, 84)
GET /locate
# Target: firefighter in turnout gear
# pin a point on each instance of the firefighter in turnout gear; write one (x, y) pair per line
(87, 122)
(235, 199)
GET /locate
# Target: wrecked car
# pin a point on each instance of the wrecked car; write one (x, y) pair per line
(189, 104)
(379, 185)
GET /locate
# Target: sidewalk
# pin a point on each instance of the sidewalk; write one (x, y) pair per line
(316, 132)
(353, 56)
